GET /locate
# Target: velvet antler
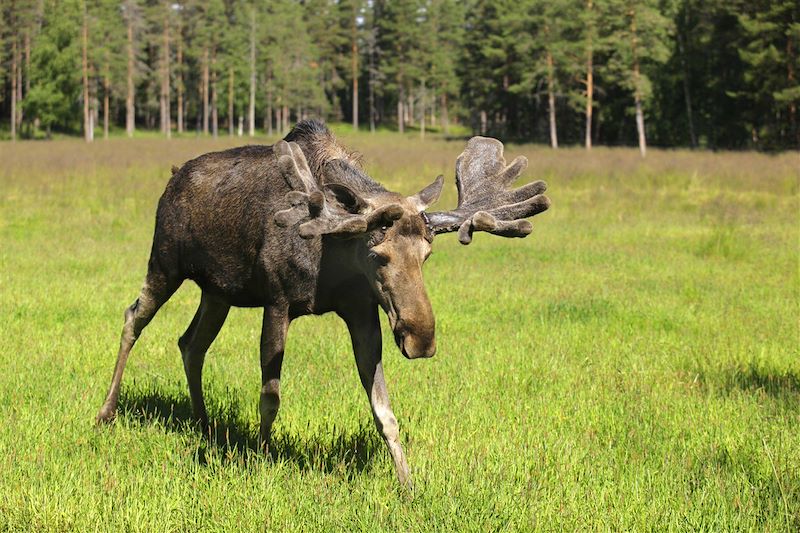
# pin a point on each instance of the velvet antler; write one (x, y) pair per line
(331, 209)
(485, 203)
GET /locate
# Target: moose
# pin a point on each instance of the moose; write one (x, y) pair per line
(297, 228)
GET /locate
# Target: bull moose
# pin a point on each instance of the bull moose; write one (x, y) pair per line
(297, 228)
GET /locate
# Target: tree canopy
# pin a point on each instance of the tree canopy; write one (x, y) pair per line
(713, 74)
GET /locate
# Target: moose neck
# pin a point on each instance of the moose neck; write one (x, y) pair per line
(341, 277)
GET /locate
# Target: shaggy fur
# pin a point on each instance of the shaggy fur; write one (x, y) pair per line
(297, 228)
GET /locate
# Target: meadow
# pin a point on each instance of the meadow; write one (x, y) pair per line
(634, 364)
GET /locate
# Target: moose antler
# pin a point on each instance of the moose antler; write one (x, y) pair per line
(332, 209)
(484, 201)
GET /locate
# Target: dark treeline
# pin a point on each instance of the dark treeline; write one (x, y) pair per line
(714, 74)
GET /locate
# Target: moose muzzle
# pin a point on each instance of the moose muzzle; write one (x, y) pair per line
(416, 339)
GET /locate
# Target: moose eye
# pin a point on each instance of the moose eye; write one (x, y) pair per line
(377, 236)
(378, 258)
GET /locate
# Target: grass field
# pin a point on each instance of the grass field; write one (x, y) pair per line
(632, 365)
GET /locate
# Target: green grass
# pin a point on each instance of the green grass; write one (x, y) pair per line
(632, 365)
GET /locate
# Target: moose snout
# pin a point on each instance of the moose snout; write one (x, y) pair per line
(415, 343)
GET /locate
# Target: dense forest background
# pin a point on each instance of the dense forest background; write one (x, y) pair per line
(714, 74)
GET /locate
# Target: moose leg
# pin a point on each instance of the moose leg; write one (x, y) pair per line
(273, 340)
(205, 326)
(365, 333)
(156, 291)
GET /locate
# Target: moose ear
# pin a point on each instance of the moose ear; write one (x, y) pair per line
(428, 196)
(344, 197)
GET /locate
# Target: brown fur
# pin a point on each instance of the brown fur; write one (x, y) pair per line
(296, 231)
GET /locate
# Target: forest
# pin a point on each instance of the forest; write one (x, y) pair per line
(670, 73)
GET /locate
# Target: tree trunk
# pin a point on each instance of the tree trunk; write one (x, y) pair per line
(589, 99)
(279, 119)
(214, 110)
(445, 116)
(230, 102)
(285, 128)
(422, 110)
(400, 112)
(268, 125)
(589, 78)
(551, 101)
(130, 109)
(88, 131)
(166, 121)
(94, 118)
(199, 115)
(640, 126)
(14, 88)
(355, 69)
(790, 78)
(27, 61)
(204, 91)
(106, 91)
(179, 88)
(371, 82)
(637, 91)
(687, 97)
(20, 93)
(251, 110)
(433, 108)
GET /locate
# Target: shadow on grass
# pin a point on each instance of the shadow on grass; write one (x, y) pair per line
(772, 382)
(344, 451)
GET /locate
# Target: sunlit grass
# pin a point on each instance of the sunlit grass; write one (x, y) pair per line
(633, 365)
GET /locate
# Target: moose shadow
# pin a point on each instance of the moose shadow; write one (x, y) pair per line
(344, 451)
(780, 385)
(754, 378)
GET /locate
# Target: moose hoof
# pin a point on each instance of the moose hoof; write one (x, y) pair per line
(105, 416)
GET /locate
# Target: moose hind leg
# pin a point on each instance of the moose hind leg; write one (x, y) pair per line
(156, 291)
(365, 332)
(205, 326)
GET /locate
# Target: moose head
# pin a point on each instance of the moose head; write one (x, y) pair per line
(392, 235)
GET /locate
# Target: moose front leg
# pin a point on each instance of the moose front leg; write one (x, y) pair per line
(273, 340)
(365, 332)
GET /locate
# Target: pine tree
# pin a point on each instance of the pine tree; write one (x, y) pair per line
(160, 22)
(233, 58)
(205, 25)
(353, 11)
(639, 41)
(490, 65)
(329, 27)
(543, 49)
(108, 40)
(399, 36)
(3, 29)
(252, 27)
(591, 44)
(86, 66)
(447, 28)
(180, 66)
(771, 32)
(132, 17)
(375, 76)
(56, 67)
